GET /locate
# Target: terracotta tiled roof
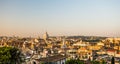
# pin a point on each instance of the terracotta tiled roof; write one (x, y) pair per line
(111, 50)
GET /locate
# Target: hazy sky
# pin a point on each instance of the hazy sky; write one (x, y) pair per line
(60, 17)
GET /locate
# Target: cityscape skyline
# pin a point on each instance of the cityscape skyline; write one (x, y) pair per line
(60, 17)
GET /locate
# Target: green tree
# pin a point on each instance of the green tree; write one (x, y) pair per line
(95, 62)
(10, 55)
(103, 62)
(73, 61)
(112, 60)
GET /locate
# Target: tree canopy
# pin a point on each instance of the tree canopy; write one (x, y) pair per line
(112, 60)
(73, 61)
(10, 55)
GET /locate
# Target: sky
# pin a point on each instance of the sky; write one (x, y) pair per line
(60, 17)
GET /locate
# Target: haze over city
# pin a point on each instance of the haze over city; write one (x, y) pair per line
(60, 17)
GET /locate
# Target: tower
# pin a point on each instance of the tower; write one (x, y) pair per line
(45, 36)
(63, 43)
(64, 46)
